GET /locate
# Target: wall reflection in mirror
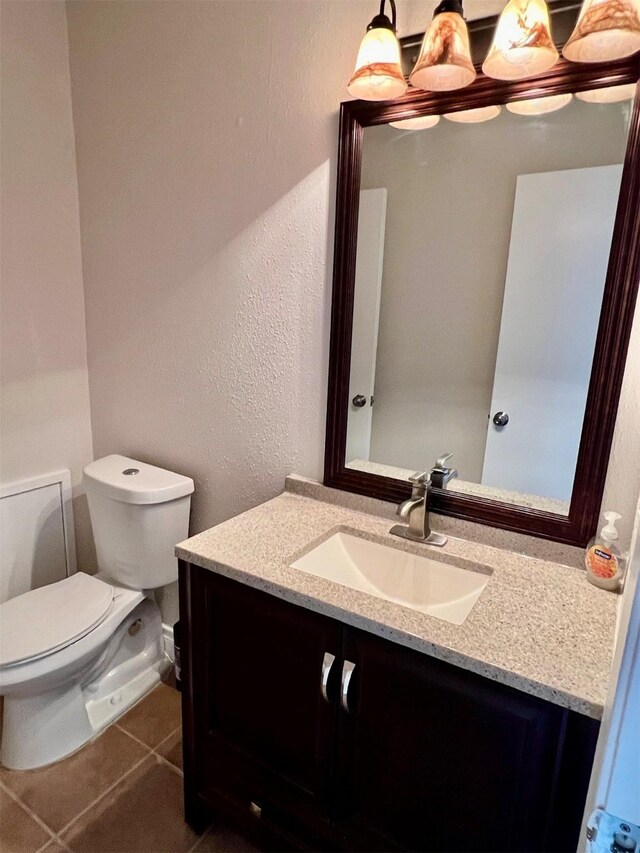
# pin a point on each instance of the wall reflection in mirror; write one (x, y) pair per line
(481, 261)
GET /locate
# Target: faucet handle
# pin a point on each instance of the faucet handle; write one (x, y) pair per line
(440, 473)
(419, 484)
(441, 461)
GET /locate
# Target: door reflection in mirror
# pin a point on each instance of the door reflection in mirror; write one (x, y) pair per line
(558, 252)
(366, 316)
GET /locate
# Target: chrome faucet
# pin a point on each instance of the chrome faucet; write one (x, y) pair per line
(440, 474)
(416, 510)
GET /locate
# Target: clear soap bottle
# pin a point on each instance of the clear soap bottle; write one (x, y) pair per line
(603, 559)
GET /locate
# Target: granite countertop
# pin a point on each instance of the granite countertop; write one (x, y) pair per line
(538, 626)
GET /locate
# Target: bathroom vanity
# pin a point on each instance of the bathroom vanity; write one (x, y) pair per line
(322, 717)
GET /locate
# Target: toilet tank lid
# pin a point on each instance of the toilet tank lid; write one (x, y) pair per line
(127, 480)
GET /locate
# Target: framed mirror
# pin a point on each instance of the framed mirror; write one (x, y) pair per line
(485, 279)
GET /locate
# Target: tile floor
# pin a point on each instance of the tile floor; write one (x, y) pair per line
(122, 793)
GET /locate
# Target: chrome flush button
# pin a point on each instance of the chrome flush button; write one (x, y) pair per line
(129, 471)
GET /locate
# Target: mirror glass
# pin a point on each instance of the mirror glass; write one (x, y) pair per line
(482, 253)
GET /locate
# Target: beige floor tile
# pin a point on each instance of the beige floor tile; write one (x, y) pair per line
(221, 839)
(171, 749)
(153, 719)
(143, 813)
(59, 792)
(19, 832)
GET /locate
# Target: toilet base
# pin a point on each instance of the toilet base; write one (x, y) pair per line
(104, 711)
(40, 729)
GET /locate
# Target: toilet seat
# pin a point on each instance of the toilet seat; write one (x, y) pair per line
(45, 620)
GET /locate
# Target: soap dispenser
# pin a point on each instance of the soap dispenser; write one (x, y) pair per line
(603, 559)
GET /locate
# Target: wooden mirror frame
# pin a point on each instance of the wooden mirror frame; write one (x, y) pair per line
(620, 291)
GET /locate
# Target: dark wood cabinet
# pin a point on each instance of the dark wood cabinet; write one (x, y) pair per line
(263, 731)
(321, 736)
(430, 751)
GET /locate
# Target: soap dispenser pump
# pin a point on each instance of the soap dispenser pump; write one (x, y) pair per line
(603, 559)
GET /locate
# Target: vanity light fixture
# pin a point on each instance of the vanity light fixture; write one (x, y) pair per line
(606, 30)
(417, 123)
(612, 95)
(444, 62)
(539, 106)
(378, 73)
(522, 45)
(474, 116)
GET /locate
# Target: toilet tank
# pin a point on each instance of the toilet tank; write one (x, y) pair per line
(138, 514)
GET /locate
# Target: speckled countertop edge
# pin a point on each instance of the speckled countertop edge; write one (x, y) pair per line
(538, 626)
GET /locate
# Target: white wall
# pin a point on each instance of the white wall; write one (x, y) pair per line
(45, 395)
(622, 488)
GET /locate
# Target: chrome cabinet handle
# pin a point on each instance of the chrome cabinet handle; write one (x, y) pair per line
(327, 663)
(359, 401)
(501, 419)
(347, 672)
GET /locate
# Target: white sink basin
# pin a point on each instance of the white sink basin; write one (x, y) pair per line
(430, 586)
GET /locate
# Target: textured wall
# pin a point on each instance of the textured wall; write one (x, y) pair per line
(45, 394)
(206, 138)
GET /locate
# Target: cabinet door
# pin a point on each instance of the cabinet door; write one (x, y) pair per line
(264, 733)
(432, 757)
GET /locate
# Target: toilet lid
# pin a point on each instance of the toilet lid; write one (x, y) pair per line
(47, 619)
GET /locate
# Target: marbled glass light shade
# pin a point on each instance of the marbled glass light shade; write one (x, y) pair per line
(606, 30)
(417, 123)
(474, 116)
(444, 62)
(378, 74)
(522, 45)
(609, 95)
(539, 106)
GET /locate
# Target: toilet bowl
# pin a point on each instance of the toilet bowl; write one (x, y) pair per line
(76, 654)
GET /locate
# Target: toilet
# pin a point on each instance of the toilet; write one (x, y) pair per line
(76, 654)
